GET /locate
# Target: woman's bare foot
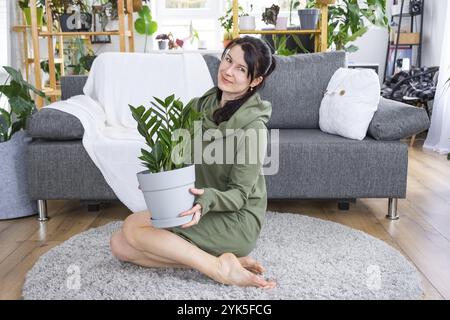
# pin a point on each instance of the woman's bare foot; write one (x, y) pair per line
(230, 271)
(251, 265)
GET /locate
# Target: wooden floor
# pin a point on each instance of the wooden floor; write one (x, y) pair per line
(422, 234)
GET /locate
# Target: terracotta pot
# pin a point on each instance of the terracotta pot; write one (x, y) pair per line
(226, 42)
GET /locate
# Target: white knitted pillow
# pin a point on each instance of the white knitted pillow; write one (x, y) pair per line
(350, 102)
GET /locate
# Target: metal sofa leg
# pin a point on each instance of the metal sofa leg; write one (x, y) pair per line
(392, 209)
(42, 208)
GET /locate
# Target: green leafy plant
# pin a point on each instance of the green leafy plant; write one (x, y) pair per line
(226, 21)
(82, 58)
(145, 25)
(45, 67)
(164, 119)
(346, 21)
(23, 4)
(20, 102)
(270, 15)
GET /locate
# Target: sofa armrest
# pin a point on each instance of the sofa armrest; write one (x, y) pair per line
(395, 120)
(72, 86)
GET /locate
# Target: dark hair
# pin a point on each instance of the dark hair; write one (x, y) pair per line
(260, 62)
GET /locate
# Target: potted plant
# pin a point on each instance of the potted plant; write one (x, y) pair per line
(15, 201)
(25, 6)
(309, 16)
(145, 25)
(270, 15)
(246, 22)
(170, 174)
(226, 22)
(163, 40)
(349, 20)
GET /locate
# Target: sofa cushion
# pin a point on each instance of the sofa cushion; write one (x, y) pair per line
(296, 88)
(395, 120)
(351, 100)
(55, 125)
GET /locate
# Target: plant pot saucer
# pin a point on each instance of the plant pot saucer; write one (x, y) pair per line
(168, 223)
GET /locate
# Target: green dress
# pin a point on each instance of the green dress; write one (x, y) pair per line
(235, 199)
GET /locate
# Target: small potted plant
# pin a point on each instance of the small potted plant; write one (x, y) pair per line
(163, 41)
(270, 15)
(246, 22)
(15, 201)
(309, 16)
(170, 174)
(226, 21)
(25, 6)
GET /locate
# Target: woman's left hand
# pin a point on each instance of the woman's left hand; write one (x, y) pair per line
(195, 210)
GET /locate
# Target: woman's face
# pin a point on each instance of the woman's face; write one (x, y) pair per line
(233, 77)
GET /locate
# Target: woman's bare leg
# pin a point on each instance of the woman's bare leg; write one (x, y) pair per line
(153, 242)
(122, 250)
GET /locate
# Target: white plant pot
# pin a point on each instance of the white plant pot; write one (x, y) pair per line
(281, 23)
(247, 23)
(167, 195)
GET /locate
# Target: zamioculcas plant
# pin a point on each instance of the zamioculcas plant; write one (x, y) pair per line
(170, 173)
(164, 119)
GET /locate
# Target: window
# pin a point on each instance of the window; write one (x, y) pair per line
(186, 8)
(185, 4)
(177, 16)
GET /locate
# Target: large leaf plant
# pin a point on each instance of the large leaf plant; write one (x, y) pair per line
(160, 125)
(16, 90)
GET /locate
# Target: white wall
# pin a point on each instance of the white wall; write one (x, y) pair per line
(433, 33)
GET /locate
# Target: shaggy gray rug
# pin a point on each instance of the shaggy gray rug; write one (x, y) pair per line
(308, 257)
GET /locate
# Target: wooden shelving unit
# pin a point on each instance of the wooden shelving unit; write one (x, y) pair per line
(320, 35)
(125, 31)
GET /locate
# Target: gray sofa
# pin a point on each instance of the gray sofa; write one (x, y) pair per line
(312, 164)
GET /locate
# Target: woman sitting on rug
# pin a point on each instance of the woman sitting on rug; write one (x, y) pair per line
(231, 199)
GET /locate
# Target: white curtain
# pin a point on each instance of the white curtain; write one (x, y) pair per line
(438, 138)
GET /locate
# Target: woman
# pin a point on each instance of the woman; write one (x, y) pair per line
(231, 199)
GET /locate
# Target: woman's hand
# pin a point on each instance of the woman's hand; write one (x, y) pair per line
(195, 210)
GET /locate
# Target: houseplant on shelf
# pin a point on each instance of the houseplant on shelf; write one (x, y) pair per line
(14, 200)
(350, 19)
(145, 25)
(226, 22)
(25, 6)
(170, 173)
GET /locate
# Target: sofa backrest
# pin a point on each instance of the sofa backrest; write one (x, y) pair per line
(296, 88)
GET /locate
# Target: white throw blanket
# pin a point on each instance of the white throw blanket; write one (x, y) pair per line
(110, 135)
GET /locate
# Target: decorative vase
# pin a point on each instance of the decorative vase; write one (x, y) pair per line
(39, 14)
(15, 200)
(247, 23)
(308, 18)
(167, 195)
